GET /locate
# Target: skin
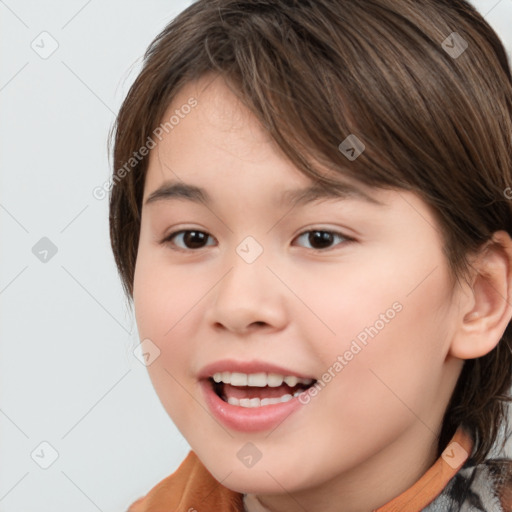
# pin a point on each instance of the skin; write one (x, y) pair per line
(374, 425)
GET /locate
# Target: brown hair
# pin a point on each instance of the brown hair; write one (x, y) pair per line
(315, 71)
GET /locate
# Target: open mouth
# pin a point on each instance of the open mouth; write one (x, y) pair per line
(257, 389)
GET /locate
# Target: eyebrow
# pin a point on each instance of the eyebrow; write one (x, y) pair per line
(170, 190)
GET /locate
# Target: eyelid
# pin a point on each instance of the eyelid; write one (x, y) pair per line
(334, 231)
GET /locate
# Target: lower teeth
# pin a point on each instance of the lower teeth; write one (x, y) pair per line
(257, 402)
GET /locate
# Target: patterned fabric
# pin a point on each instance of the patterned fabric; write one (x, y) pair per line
(483, 488)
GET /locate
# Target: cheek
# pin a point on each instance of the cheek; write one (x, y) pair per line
(394, 367)
(161, 292)
(392, 336)
(164, 314)
(164, 309)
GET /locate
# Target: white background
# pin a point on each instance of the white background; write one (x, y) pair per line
(67, 372)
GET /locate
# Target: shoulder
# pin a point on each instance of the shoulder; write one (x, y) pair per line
(189, 488)
(174, 483)
(137, 506)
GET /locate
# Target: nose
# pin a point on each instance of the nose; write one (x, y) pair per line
(248, 297)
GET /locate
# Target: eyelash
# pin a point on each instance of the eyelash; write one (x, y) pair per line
(168, 239)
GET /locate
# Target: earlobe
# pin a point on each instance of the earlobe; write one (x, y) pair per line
(487, 314)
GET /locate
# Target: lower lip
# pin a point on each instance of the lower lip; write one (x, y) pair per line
(247, 419)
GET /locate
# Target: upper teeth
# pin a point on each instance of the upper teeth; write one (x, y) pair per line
(260, 380)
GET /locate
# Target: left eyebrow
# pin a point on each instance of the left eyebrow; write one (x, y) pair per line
(339, 191)
(170, 190)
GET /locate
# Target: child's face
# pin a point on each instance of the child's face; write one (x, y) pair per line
(202, 300)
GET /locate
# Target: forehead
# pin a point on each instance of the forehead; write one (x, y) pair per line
(220, 139)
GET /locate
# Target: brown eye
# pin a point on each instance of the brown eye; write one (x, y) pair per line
(191, 239)
(322, 239)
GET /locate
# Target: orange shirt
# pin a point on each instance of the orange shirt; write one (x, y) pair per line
(191, 488)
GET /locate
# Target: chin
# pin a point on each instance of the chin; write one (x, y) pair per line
(264, 478)
(260, 483)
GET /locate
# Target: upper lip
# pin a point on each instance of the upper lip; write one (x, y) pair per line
(254, 366)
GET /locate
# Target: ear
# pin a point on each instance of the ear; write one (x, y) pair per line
(487, 309)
